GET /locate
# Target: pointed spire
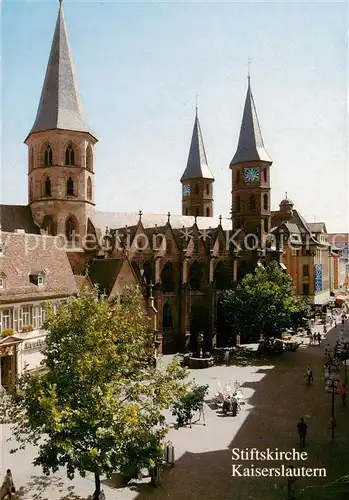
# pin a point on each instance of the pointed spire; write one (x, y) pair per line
(197, 165)
(251, 145)
(60, 105)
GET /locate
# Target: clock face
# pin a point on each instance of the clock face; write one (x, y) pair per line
(251, 174)
(186, 190)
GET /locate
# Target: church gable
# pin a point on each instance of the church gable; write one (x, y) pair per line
(140, 245)
(126, 277)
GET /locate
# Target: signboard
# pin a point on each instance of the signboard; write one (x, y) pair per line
(335, 273)
(34, 344)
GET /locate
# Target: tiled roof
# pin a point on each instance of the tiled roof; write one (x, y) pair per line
(250, 145)
(60, 104)
(14, 217)
(119, 220)
(317, 227)
(23, 254)
(103, 272)
(197, 165)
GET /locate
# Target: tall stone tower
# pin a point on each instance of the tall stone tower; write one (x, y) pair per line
(61, 149)
(250, 168)
(197, 179)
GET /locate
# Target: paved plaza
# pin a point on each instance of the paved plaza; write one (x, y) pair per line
(276, 397)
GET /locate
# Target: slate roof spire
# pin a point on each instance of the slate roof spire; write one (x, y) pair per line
(197, 165)
(60, 105)
(250, 145)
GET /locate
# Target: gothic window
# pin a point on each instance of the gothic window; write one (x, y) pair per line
(31, 159)
(31, 190)
(237, 204)
(70, 187)
(167, 280)
(69, 156)
(252, 203)
(48, 156)
(167, 316)
(168, 246)
(195, 276)
(238, 177)
(89, 158)
(266, 224)
(47, 224)
(70, 229)
(207, 189)
(265, 175)
(148, 271)
(207, 212)
(196, 189)
(222, 276)
(265, 201)
(89, 188)
(47, 187)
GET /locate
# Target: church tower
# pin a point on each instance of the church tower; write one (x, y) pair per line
(60, 149)
(197, 179)
(250, 168)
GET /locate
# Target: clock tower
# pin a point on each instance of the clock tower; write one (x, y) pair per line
(197, 179)
(250, 168)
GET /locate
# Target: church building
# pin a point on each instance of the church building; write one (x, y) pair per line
(184, 261)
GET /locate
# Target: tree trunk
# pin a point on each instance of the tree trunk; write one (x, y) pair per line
(97, 486)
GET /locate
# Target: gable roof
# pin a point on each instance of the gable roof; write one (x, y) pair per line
(317, 227)
(60, 105)
(13, 217)
(24, 254)
(103, 272)
(197, 164)
(250, 145)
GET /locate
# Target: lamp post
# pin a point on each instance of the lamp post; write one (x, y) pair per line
(156, 339)
(332, 379)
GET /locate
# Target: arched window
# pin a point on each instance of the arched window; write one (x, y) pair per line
(207, 189)
(238, 177)
(148, 268)
(167, 316)
(70, 229)
(70, 187)
(265, 175)
(265, 201)
(89, 188)
(47, 187)
(69, 156)
(48, 156)
(47, 224)
(237, 204)
(207, 212)
(222, 276)
(252, 203)
(168, 246)
(89, 159)
(31, 159)
(195, 276)
(266, 224)
(167, 280)
(196, 189)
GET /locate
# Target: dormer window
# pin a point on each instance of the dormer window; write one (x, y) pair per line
(37, 278)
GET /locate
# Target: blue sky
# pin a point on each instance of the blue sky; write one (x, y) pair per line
(139, 67)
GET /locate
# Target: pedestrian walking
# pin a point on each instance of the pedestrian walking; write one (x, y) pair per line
(319, 338)
(302, 431)
(343, 394)
(8, 487)
(309, 375)
(314, 338)
(227, 357)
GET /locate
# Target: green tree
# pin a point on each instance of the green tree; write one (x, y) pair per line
(264, 302)
(98, 405)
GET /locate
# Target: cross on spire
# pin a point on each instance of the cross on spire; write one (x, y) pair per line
(140, 215)
(168, 217)
(286, 195)
(249, 62)
(220, 220)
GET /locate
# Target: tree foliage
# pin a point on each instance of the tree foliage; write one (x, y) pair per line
(98, 405)
(264, 302)
(184, 408)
